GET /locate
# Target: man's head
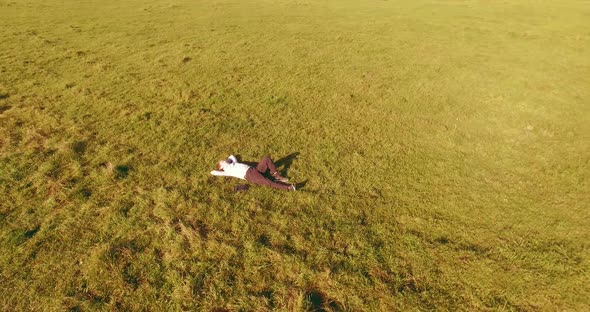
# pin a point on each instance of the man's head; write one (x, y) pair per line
(221, 164)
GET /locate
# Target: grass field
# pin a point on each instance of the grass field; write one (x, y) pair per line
(443, 148)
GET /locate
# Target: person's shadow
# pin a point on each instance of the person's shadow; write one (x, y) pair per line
(286, 162)
(282, 164)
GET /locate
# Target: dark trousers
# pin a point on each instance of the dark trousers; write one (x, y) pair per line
(254, 175)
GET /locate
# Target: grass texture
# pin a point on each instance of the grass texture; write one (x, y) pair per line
(444, 148)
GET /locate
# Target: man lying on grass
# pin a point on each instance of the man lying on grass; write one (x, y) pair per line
(232, 168)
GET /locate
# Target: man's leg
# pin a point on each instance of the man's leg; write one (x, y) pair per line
(267, 164)
(254, 176)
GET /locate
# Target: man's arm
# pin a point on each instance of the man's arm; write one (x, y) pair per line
(219, 173)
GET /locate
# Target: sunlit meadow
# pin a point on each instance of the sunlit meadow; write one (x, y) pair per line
(441, 149)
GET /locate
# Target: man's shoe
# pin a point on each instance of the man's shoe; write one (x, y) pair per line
(280, 178)
(292, 187)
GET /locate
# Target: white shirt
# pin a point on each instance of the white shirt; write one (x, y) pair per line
(232, 168)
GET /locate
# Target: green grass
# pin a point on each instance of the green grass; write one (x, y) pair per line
(445, 147)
